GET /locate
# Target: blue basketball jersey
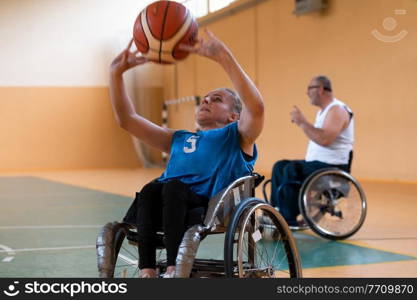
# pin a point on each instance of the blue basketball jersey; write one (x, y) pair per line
(208, 161)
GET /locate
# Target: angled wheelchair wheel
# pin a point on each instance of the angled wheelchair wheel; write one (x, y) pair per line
(126, 257)
(259, 244)
(108, 245)
(122, 258)
(333, 204)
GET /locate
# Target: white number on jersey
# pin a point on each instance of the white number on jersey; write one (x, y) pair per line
(193, 142)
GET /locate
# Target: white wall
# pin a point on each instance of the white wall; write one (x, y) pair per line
(63, 42)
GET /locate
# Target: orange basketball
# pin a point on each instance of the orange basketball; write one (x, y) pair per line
(161, 27)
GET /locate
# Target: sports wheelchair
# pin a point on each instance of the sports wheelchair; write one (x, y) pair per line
(258, 242)
(331, 202)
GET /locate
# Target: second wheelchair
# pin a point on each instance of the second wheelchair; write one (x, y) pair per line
(331, 202)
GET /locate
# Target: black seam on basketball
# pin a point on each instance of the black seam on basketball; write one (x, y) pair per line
(144, 34)
(159, 51)
(146, 46)
(147, 21)
(189, 28)
(162, 31)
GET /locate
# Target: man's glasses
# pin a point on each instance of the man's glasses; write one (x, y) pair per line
(317, 86)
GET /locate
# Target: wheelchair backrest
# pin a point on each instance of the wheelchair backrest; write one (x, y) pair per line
(350, 161)
(223, 204)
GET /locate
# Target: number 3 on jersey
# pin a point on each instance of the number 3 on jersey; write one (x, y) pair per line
(192, 141)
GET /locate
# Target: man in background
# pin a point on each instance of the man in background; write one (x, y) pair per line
(331, 144)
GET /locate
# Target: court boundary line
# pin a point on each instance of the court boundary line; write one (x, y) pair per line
(51, 248)
(9, 252)
(49, 226)
(362, 243)
(128, 260)
(359, 243)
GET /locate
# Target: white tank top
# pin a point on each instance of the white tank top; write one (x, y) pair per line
(338, 152)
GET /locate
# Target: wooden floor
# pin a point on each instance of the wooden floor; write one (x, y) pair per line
(391, 223)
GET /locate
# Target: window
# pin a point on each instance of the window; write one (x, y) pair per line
(201, 8)
(218, 4)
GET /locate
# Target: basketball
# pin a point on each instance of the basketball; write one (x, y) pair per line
(161, 27)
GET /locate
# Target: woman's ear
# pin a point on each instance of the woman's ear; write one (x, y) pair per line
(233, 117)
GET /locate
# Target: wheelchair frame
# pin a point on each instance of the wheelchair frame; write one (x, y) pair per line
(235, 212)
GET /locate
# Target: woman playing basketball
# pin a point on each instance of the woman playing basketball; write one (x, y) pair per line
(201, 163)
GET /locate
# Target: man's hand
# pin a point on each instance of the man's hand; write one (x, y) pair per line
(126, 60)
(336, 120)
(297, 116)
(211, 47)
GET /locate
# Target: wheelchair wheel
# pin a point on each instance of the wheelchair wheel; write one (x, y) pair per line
(333, 204)
(123, 257)
(126, 257)
(250, 253)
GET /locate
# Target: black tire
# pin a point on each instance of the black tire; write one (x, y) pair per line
(332, 203)
(242, 226)
(264, 192)
(126, 256)
(108, 246)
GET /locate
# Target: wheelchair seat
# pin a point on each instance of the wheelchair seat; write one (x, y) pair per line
(194, 216)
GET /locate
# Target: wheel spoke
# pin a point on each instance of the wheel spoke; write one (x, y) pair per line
(271, 258)
(129, 252)
(345, 208)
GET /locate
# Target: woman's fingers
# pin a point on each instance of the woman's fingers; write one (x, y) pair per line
(129, 45)
(188, 48)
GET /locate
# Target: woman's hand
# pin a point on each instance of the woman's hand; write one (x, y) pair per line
(126, 60)
(210, 47)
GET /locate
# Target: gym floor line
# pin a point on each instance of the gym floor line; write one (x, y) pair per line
(49, 222)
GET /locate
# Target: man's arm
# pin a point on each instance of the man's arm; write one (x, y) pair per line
(124, 110)
(252, 116)
(336, 120)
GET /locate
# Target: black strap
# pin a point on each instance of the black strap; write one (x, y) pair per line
(350, 112)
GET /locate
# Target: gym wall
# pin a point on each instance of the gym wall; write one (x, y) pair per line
(54, 103)
(282, 52)
(56, 113)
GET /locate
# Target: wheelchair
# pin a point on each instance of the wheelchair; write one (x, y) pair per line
(331, 202)
(257, 243)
